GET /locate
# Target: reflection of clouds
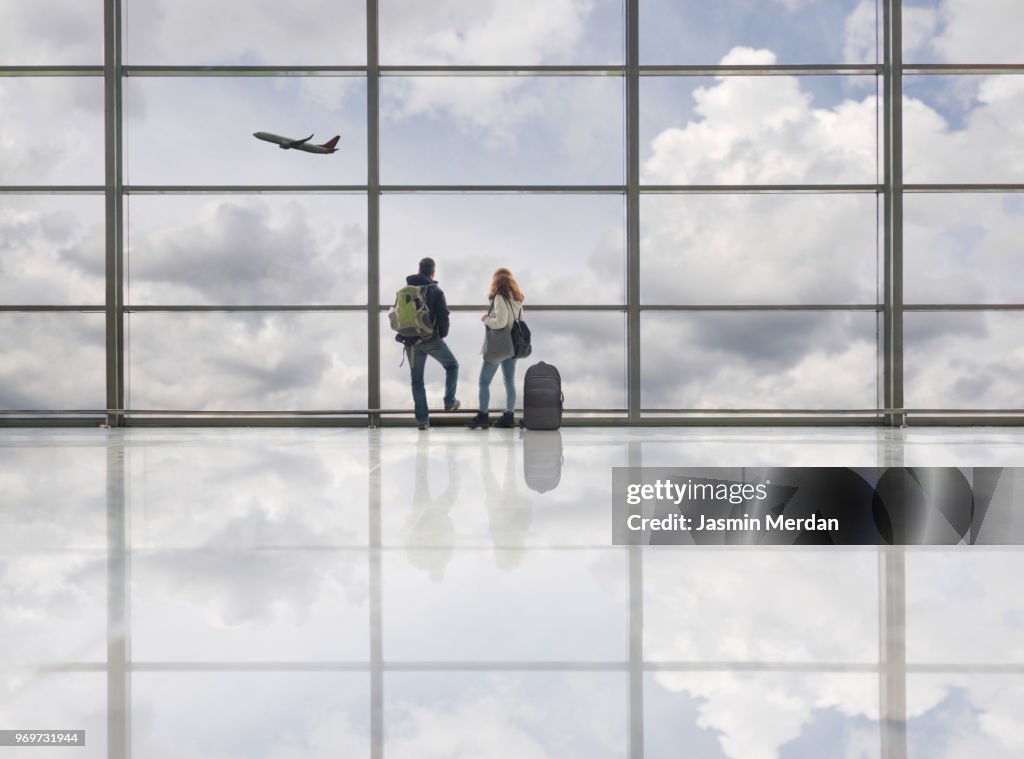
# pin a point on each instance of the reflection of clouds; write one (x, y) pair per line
(281, 715)
(54, 609)
(962, 608)
(482, 612)
(759, 606)
(308, 493)
(211, 605)
(460, 716)
(509, 511)
(430, 531)
(756, 715)
(952, 716)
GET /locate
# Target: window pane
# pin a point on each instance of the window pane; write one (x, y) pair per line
(963, 360)
(493, 32)
(963, 129)
(589, 350)
(52, 130)
(767, 360)
(464, 606)
(254, 604)
(962, 31)
(964, 712)
(52, 361)
(245, 32)
(247, 250)
(247, 361)
(284, 488)
(561, 248)
(758, 130)
(51, 250)
(315, 713)
(67, 698)
(502, 130)
(167, 144)
(505, 714)
(51, 32)
(805, 31)
(785, 714)
(751, 622)
(963, 248)
(758, 249)
(983, 625)
(474, 494)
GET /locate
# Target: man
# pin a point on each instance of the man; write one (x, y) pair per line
(433, 346)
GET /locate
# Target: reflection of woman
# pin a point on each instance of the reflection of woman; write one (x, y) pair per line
(506, 305)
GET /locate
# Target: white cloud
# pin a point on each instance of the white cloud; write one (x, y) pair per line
(47, 32)
(860, 33)
(979, 31)
(495, 32)
(257, 32)
(51, 130)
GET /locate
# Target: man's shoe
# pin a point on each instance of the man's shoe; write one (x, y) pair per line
(507, 420)
(454, 407)
(479, 422)
(424, 425)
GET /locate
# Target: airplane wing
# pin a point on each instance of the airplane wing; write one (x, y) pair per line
(296, 143)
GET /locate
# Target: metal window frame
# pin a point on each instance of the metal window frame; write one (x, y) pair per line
(891, 190)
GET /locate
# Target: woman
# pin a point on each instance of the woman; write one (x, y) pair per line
(506, 304)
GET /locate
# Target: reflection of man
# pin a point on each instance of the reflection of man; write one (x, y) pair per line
(434, 346)
(430, 539)
(508, 508)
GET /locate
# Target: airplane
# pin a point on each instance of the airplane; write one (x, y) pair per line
(286, 143)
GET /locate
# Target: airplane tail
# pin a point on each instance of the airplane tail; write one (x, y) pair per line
(331, 143)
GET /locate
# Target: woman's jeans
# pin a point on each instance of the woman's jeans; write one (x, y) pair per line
(508, 371)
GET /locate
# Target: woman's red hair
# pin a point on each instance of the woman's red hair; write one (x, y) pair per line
(505, 285)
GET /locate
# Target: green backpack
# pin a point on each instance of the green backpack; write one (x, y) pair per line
(410, 317)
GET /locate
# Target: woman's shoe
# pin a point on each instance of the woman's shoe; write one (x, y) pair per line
(508, 419)
(479, 422)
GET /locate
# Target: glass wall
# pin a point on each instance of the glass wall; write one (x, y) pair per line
(712, 208)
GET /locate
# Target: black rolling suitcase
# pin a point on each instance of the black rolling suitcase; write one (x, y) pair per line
(542, 397)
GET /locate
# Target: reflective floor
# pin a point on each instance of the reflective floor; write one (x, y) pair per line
(290, 593)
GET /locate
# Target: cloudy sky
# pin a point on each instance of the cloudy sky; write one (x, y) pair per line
(308, 249)
(268, 561)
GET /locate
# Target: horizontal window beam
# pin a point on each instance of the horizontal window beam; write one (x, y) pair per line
(51, 70)
(963, 68)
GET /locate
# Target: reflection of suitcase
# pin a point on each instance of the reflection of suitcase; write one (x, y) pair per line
(542, 460)
(542, 397)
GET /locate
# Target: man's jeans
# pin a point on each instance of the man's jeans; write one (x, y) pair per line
(418, 361)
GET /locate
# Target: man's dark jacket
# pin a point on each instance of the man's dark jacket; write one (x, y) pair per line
(435, 302)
